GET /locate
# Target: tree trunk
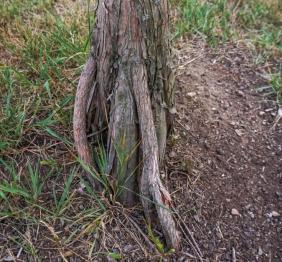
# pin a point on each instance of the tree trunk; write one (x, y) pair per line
(125, 94)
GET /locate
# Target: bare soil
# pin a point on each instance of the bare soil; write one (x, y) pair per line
(225, 157)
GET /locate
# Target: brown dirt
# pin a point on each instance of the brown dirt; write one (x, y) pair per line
(226, 154)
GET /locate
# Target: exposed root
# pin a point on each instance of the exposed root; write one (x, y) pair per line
(150, 183)
(79, 117)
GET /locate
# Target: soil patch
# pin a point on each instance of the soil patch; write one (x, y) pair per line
(225, 159)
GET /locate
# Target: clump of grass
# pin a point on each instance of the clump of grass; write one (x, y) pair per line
(210, 20)
(275, 86)
(261, 24)
(113, 187)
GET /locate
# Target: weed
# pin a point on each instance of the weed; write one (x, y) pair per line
(34, 182)
(64, 200)
(276, 85)
(157, 242)
(113, 189)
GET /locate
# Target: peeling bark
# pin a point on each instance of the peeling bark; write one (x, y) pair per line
(127, 87)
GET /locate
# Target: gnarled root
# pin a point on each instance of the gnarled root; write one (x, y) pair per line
(150, 184)
(79, 118)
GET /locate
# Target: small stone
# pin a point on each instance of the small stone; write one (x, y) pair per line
(275, 214)
(8, 259)
(191, 94)
(252, 215)
(269, 109)
(128, 248)
(237, 59)
(172, 154)
(235, 212)
(219, 151)
(196, 217)
(206, 145)
(239, 132)
(278, 194)
(260, 252)
(173, 110)
(240, 93)
(261, 113)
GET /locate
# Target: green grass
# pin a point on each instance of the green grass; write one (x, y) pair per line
(256, 23)
(43, 199)
(209, 20)
(43, 52)
(218, 21)
(43, 46)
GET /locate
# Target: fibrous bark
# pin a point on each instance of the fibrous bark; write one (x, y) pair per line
(127, 88)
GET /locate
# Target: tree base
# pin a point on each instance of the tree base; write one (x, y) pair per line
(126, 87)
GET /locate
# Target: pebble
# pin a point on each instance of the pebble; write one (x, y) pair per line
(278, 194)
(269, 109)
(260, 252)
(172, 154)
(261, 113)
(252, 215)
(8, 259)
(235, 212)
(219, 151)
(239, 132)
(275, 214)
(128, 248)
(240, 93)
(191, 94)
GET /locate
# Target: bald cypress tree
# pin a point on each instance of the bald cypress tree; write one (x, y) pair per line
(125, 97)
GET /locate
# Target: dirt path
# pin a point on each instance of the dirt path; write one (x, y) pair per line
(226, 142)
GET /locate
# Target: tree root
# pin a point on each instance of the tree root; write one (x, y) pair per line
(79, 118)
(150, 184)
